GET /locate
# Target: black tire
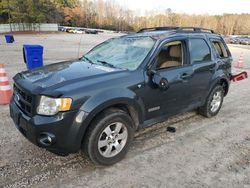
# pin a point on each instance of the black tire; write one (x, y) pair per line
(97, 128)
(206, 109)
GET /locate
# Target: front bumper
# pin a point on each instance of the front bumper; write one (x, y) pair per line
(64, 129)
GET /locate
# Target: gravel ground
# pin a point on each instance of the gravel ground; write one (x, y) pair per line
(202, 153)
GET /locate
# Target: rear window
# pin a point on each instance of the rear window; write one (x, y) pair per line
(220, 49)
(199, 51)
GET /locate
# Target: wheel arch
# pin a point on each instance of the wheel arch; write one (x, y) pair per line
(125, 100)
(223, 81)
(225, 84)
(129, 108)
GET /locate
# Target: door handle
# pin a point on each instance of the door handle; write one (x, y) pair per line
(185, 76)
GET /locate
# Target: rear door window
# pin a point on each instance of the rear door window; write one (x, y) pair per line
(199, 51)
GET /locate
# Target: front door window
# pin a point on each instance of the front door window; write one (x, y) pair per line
(171, 55)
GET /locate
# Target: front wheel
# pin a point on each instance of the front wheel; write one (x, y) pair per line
(213, 103)
(109, 137)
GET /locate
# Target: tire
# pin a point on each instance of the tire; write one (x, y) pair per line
(213, 102)
(108, 139)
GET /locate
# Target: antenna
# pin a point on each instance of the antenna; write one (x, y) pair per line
(79, 46)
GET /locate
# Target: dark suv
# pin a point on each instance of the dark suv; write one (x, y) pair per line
(97, 102)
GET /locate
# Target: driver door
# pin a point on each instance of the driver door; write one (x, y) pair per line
(172, 65)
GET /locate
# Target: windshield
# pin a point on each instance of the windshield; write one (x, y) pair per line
(125, 52)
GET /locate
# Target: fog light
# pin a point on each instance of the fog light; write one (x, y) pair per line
(47, 139)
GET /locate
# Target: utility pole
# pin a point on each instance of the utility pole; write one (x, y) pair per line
(9, 17)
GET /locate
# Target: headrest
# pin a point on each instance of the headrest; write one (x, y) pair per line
(175, 51)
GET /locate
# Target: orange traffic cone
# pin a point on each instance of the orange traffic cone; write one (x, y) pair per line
(5, 88)
(239, 64)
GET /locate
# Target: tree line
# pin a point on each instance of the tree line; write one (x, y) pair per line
(108, 14)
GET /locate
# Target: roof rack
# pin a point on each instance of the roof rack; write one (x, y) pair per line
(179, 29)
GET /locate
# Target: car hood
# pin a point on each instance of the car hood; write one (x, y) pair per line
(65, 73)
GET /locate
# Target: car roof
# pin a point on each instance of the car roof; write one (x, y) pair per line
(160, 33)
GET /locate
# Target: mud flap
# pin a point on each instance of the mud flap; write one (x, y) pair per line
(238, 77)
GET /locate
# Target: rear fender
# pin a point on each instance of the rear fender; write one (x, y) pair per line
(216, 81)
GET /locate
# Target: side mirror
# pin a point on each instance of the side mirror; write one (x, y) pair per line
(159, 81)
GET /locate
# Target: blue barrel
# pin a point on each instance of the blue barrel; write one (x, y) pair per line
(9, 38)
(33, 56)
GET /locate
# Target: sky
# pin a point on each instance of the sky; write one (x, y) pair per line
(212, 7)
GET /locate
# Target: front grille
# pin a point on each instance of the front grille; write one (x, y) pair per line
(23, 100)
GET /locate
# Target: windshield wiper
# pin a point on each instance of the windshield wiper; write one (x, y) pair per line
(88, 60)
(106, 63)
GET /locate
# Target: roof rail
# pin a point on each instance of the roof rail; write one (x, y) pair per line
(157, 29)
(196, 29)
(183, 29)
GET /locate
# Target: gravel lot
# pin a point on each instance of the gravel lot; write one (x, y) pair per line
(202, 153)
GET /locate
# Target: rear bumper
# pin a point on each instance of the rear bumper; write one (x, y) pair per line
(64, 130)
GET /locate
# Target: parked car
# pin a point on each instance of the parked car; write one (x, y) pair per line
(60, 28)
(100, 31)
(96, 103)
(245, 41)
(64, 29)
(69, 30)
(91, 31)
(234, 40)
(79, 31)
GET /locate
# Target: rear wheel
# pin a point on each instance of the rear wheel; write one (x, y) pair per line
(109, 137)
(213, 103)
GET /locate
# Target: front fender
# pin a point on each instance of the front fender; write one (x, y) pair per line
(103, 100)
(110, 97)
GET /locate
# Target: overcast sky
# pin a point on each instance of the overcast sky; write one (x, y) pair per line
(190, 6)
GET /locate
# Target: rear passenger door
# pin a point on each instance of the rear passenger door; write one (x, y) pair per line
(222, 54)
(203, 66)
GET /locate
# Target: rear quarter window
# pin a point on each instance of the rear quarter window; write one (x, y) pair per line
(220, 49)
(199, 51)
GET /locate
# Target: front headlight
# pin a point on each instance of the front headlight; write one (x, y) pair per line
(50, 106)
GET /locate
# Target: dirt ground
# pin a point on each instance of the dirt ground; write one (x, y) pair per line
(201, 153)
